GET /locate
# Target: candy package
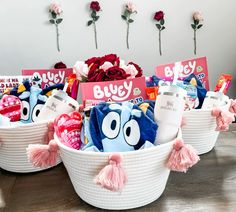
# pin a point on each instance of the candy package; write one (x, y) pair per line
(224, 79)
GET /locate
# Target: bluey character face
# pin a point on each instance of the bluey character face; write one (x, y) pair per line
(117, 127)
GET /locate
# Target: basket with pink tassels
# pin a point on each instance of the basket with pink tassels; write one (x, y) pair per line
(15, 140)
(201, 128)
(122, 180)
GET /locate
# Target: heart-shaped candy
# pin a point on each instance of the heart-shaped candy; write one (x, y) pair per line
(10, 106)
(68, 128)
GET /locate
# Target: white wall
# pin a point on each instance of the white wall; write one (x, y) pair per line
(27, 40)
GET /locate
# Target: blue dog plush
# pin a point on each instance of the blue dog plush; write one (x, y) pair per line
(119, 127)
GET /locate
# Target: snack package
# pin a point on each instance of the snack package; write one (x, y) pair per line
(192, 97)
(224, 78)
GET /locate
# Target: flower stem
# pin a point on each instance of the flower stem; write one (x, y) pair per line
(127, 36)
(195, 42)
(57, 30)
(160, 42)
(95, 34)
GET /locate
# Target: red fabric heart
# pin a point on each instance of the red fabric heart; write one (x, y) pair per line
(10, 106)
(68, 128)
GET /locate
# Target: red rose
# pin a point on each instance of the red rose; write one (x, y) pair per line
(138, 68)
(115, 73)
(94, 5)
(92, 60)
(97, 75)
(60, 65)
(112, 58)
(159, 16)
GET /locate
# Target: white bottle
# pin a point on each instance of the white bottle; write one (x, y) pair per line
(58, 103)
(168, 112)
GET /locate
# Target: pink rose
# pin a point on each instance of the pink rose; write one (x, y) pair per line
(131, 7)
(106, 66)
(55, 8)
(130, 70)
(81, 70)
(197, 16)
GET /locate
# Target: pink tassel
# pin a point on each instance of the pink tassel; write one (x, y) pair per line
(50, 133)
(112, 176)
(182, 157)
(232, 107)
(223, 119)
(183, 122)
(42, 155)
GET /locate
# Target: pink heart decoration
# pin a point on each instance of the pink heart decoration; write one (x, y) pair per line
(68, 128)
(10, 106)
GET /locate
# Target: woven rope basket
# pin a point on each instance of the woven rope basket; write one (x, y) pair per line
(146, 171)
(14, 142)
(199, 130)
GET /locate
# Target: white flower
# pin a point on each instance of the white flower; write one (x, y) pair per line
(56, 8)
(106, 66)
(131, 70)
(131, 7)
(81, 69)
(198, 16)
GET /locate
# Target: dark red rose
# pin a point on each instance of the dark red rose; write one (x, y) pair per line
(94, 5)
(140, 71)
(115, 73)
(93, 60)
(60, 65)
(112, 58)
(159, 15)
(97, 75)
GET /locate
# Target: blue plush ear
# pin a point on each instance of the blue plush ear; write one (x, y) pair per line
(148, 127)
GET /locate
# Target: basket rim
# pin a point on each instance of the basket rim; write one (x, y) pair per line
(26, 125)
(207, 109)
(88, 153)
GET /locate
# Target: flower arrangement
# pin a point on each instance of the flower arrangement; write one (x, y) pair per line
(55, 11)
(159, 17)
(106, 68)
(197, 19)
(94, 8)
(126, 16)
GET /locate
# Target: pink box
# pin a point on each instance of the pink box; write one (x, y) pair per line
(48, 77)
(197, 66)
(117, 91)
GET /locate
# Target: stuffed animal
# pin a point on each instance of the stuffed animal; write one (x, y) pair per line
(119, 127)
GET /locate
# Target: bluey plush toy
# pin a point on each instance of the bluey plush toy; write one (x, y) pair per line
(120, 127)
(33, 98)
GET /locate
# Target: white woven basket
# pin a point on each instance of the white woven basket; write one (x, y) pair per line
(146, 171)
(199, 130)
(14, 142)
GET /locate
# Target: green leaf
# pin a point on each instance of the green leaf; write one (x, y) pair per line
(54, 15)
(93, 14)
(130, 20)
(163, 28)
(89, 23)
(199, 26)
(193, 26)
(59, 20)
(52, 21)
(158, 26)
(162, 21)
(96, 18)
(124, 17)
(196, 22)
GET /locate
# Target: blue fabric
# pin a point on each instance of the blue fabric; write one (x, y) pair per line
(120, 127)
